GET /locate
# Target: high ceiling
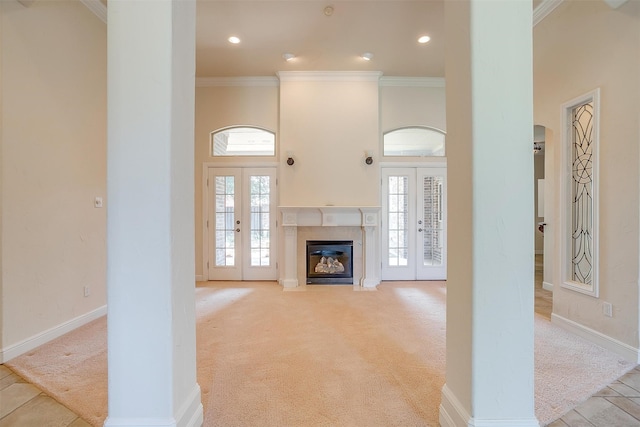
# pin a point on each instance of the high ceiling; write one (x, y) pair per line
(321, 39)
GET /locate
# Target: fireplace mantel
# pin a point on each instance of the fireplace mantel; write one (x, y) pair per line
(366, 217)
(330, 216)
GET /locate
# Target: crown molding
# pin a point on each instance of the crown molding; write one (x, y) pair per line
(544, 9)
(413, 81)
(236, 81)
(98, 9)
(341, 76)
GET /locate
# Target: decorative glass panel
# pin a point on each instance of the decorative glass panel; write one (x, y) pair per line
(414, 142)
(260, 217)
(582, 193)
(398, 226)
(433, 227)
(224, 219)
(243, 141)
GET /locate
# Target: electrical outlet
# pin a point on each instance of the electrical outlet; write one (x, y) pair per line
(607, 309)
(97, 202)
(87, 291)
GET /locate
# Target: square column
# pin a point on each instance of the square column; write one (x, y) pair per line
(150, 217)
(490, 287)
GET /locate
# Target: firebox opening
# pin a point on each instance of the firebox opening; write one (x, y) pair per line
(330, 262)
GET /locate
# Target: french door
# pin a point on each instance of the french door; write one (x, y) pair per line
(414, 223)
(241, 219)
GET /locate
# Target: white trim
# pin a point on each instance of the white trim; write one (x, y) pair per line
(547, 286)
(428, 162)
(37, 340)
(142, 422)
(330, 76)
(452, 413)
(98, 9)
(514, 422)
(565, 194)
(628, 352)
(544, 9)
(413, 81)
(237, 81)
(191, 413)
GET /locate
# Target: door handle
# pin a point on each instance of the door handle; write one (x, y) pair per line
(237, 230)
(420, 230)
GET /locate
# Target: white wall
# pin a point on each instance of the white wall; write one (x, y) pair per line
(582, 46)
(53, 165)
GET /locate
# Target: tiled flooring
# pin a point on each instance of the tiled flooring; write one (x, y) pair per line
(618, 405)
(23, 405)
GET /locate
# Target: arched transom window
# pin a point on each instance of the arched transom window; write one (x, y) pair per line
(243, 141)
(414, 141)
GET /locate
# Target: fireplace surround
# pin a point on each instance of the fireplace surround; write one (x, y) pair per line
(359, 224)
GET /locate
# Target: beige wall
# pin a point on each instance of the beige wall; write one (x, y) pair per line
(402, 106)
(53, 165)
(582, 46)
(329, 124)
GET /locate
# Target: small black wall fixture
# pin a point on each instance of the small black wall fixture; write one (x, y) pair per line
(290, 160)
(368, 159)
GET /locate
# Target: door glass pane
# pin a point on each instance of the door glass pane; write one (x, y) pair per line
(432, 225)
(582, 193)
(260, 197)
(397, 215)
(224, 220)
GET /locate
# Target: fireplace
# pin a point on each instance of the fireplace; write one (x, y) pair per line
(330, 262)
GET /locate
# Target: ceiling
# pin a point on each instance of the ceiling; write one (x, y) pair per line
(321, 41)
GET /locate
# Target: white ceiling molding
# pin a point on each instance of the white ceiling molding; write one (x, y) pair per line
(97, 7)
(412, 81)
(337, 76)
(236, 81)
(614, 4)
(544, 9)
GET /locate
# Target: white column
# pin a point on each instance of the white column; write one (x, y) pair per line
(150, 240)
(490, 306)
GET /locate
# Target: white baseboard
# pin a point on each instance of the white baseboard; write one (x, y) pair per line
(37, 340)
(548, 286)
(200, 278)
(453, 414)
(288, 283)
(190, 414)
(628, 352)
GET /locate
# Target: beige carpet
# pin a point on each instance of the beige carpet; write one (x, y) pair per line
(327, 356)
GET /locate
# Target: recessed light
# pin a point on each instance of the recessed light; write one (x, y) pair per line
(288, 56)
(424, 39)
(234, 39)
(367, 56)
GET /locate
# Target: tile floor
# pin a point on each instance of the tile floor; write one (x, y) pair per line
(617, 405)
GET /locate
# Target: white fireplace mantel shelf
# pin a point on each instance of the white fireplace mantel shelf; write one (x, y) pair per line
(330, 216)
(366, 217)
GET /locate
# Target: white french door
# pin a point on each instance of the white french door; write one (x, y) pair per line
(241, 223)
(414, 223)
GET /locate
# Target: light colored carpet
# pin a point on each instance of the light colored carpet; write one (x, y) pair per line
(327, 356)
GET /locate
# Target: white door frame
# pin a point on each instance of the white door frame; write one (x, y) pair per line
(413, 169)
(205, 206)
